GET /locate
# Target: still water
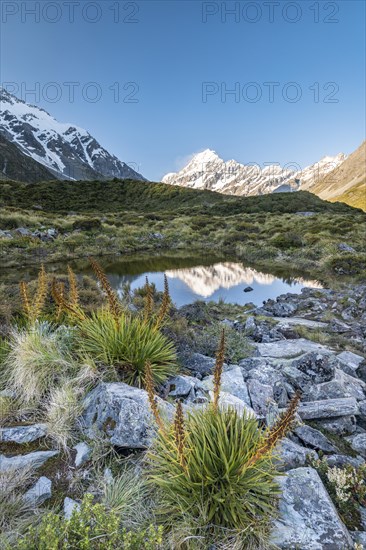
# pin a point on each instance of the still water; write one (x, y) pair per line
(203, 279)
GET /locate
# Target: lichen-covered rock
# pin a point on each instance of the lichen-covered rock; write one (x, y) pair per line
(181, 386)
(200, 364)
(122, 413)
(69, 506)
(23, 434)
(83, 452)
(232, 381)
(308, 519)
(30, 460)
(328, 408)
(41, 491)
(293, 455)
(260, 396)
(314, 439)
(349, 362)
(358, 443)
(287, 349)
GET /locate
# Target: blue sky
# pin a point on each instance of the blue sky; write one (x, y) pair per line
(174, 64)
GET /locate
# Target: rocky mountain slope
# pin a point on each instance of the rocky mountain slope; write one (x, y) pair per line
(15, 165)
(67, 151)
(208, 171)
(347, 182)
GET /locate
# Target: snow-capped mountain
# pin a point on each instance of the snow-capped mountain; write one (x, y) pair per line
(207, 170)
(68, 151)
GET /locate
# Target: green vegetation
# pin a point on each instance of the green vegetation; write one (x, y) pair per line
(214, 472)
(92, 527)
(117, 217)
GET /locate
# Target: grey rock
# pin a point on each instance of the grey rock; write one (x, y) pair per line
(232, 381)
(314, 439)
(308, 518)
(327, 390)
(318, 367)
(339, 327)
(23, 232)
(23, 434)
(349, 362)
(229, 401)
(250, 325)
(83, 452)
(354, 387)
(123, 414)
(328, 408)
(248, 289)
(342, 425)
(41, 491)
(300, 321)
(260, 396)
(5, 235)
(359, 537)
(69, 506)
(181, 386)
(344, 460)
(289, 348)
(200, 364)
(358, 443)
(344, 247)
(31, 460)
(293, 455)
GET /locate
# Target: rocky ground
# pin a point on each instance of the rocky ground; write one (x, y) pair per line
(314, 343)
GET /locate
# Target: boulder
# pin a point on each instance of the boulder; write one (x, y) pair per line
(293, 455)
(181, 386)
(349, 362)
(123, 414)
(358, 443)
(328, 408)
(344, 460)
(227, 400)
(232, 381)
(308, 518)
(317, 367)
(287, 349)
(69, 506)
(41, 491)
(200, 364)
(314, 439)
(30, 460)
(260, 396)
(83, 452)
(23, 434)
(341, 425)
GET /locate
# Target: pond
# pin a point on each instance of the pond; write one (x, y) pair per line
(205, 278)
(190, 278)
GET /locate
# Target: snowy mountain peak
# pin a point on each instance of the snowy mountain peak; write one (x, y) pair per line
(207, 170)
(67, 150)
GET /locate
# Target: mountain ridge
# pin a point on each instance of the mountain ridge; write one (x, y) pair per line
(66, 150)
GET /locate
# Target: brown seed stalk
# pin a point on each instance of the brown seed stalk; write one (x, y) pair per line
(149, 387)
(220, 359)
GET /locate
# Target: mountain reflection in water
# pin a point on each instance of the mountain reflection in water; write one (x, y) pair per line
(225, 280)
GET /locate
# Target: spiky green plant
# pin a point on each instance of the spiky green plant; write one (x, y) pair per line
(127, 346)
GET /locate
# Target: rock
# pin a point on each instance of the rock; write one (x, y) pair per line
(31, 460)
(83, 452)
(344, 247)
(338, 327)
(248, 289)
(260, 396)
(227, 400)
(342, 425)
(343, 460)
(250, 325)
(327, 390)
(361, 371)
(23, 434)
(316, 366)
(200, 364)
(232, 381)
(314, 439)
(358, 443)
(299, 321)
(23, 232)
(353, 386)
(40, 492)
(293, 455)
(123, 413)
(69, 506)
(181, 386)
(5, 235)
(308, 518)
(287, 349)
(328, 408)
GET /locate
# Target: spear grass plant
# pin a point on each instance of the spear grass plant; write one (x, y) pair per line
(214, 474)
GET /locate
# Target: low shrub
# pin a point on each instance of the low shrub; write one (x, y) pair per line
(92, 527)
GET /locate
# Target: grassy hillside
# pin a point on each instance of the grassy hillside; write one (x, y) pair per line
(127, 195)
(347, 182)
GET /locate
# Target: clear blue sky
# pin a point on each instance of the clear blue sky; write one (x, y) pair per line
(169, 49)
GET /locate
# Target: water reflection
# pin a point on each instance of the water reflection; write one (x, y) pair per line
(223, 280)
